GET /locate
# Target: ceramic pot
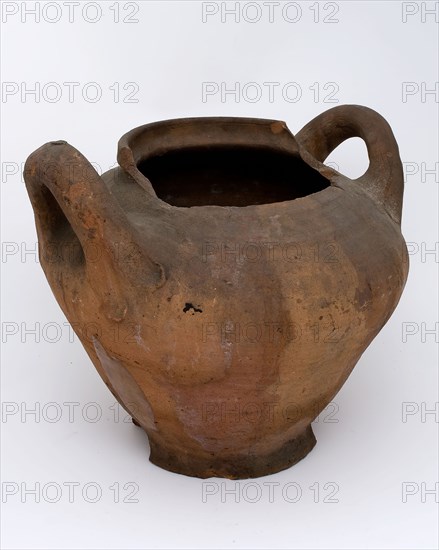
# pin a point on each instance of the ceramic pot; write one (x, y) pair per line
(224, 281)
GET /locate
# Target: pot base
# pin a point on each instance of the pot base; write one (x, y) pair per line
(234, 467)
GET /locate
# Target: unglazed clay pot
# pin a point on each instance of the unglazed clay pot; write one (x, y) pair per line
(224, 281)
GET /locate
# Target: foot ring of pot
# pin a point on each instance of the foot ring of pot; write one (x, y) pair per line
(242, 466)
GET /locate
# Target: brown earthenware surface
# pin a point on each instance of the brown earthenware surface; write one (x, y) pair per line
(233, 279)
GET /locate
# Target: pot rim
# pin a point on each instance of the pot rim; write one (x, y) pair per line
(164, 136)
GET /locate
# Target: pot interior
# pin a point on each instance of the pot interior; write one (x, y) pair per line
(226, 176)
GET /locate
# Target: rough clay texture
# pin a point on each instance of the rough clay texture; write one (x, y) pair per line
(222, 346)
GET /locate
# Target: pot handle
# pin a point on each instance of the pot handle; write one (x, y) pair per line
(384, 179)
(73, 206)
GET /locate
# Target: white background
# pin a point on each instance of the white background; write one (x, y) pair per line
(372, 451)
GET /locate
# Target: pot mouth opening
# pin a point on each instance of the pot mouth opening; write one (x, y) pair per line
(221, 175)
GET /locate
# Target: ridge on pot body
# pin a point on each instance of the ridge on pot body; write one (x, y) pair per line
(232, 279)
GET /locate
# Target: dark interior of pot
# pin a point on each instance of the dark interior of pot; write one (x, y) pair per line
(238, 176)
